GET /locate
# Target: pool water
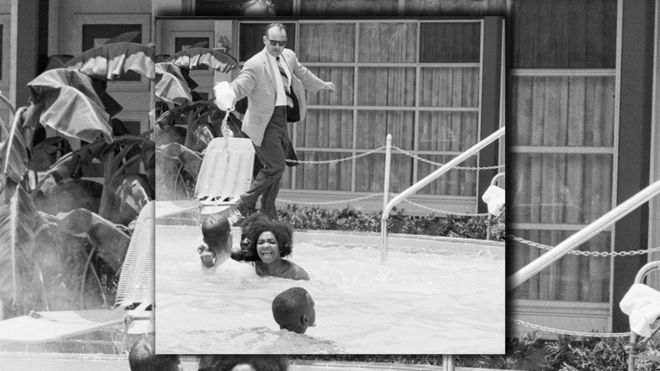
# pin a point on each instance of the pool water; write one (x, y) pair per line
(422, 301)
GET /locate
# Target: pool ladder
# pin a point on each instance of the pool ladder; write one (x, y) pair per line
(424, 182)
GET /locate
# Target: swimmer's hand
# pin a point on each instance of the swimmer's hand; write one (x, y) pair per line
(207, 256)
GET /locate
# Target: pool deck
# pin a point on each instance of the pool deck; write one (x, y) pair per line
(396, 241)
(109, 362)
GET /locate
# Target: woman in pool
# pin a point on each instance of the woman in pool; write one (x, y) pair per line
(272, 241)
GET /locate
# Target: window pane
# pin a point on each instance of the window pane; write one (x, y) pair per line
(563, 111)
(331, 177)
(449, 87)
(381, 86)
(373, 127)
(326, 129)
(560, 188)
(450, 42)
(564, 33)
(388, 42)
(343, 79)
(327, 42)
(448, 131)
(371, 173)
(571, 278)
(454, 183)
(251, 38)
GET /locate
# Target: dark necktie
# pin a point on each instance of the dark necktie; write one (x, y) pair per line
(285, 83)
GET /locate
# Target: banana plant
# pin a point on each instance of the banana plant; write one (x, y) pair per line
(50, 247)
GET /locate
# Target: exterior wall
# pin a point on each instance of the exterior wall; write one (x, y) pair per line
(74, 17)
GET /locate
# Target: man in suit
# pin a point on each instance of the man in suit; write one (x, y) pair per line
(272, 80)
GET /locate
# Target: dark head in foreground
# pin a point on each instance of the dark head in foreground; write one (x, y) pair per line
(293, 310)
(143, 358)
(216, 232)
(243, 363)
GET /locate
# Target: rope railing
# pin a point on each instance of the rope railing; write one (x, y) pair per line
(336, 160)
(403, 151)
(440, 211)
(366, 197)
(468, 168)
(569, 332)
(584, 253)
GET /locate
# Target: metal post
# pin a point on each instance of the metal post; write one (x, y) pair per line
(388, 160)
(448, 362)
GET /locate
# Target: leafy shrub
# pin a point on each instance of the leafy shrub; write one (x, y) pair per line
(567, 353)
(353, 219)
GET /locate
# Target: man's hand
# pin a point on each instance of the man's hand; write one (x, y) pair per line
(329, 85)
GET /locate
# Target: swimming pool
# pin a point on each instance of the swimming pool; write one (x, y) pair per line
(435, 295)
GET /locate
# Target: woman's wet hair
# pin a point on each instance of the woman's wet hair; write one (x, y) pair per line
(283, 233)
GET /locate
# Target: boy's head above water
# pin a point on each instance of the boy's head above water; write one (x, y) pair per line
(215, 229)
(216, 232)
(293, 310)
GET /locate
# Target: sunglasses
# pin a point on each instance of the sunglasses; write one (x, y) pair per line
(276, 42)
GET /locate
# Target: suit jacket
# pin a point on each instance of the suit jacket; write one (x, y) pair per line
(257, 82)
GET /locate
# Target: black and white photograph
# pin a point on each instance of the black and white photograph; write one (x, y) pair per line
(329, 184)
(269, 232)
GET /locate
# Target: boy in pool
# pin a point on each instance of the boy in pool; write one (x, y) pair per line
(216, 232)
(293, 310)
(143, 358)
(272, 241)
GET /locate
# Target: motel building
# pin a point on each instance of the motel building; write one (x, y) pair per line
(575, 82)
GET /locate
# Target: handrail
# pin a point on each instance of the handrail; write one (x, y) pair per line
(597, 226)
(428, 179)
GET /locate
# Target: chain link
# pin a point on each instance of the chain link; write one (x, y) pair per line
(377, 195)
(568, 332)
(410, 154)
(585, 253)
(443, 211)
(330, 202)
(337, 160)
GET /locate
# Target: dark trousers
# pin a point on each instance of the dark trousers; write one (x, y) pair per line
(272, 156)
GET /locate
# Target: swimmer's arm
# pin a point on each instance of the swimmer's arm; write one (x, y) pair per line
(207, 255)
